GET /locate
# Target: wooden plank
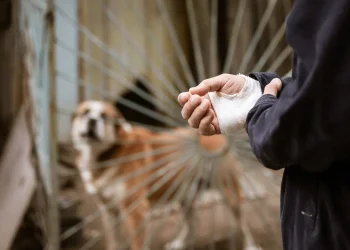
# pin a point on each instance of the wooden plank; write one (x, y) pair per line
(17, 180)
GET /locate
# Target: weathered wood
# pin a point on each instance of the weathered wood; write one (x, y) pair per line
(17, 180)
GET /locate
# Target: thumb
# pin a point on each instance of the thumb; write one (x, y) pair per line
(209, 85)
(273, 87)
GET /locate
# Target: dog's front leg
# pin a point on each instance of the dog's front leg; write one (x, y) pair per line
(135, 224)
(179, 243)
(187, 229)
(108, 222)
(107, 177)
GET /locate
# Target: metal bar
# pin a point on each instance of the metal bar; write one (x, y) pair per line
(41, 5)
(153, 114)
(174, 38)
(168, 171)
(176, 138)
(86, 76)
(128, 176)
(198, 190)
(280, 59)
(116, 23)
(193, 191)
(177, 183)
(286, 7)
(150, 127)
(271, 182)
(106, 58)
(244, 152)
(194, 171)
(214, 38)
(81, 39)
(270, 49)
(230, 186)
(120, 79)
(105, 48)
(192, 178)
(53, 213)
(91, 217)
(153, 127)
(289, 74)
(140, 18)
(249, 237)
(257, 35)
(195, 40)
(234, 36)
(164, 199)
(220, 186)
(134, 157)
(156, 164)
(211, 176)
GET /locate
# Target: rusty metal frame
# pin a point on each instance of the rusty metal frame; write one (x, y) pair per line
(53, 208)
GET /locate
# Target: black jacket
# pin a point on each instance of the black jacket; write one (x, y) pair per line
(306, 130)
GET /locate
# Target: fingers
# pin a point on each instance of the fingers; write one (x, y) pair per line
(215, 123)
(192, 103)
(273, 87)
(183, 98)
(210, 85)
(205, 126)
(199, 114)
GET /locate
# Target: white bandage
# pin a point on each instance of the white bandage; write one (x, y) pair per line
(232, 110)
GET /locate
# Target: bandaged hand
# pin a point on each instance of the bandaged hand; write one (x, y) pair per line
(198, 108)
(220, 104)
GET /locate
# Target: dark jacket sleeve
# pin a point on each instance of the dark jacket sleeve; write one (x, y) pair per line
(309, 123)
(266, 77)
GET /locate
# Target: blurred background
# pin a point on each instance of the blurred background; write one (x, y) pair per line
(139, 55)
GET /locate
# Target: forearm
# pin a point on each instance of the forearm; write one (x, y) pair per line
(232, 110)
(307, 128)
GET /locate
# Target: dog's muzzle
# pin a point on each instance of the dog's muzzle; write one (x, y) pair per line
(91, 129)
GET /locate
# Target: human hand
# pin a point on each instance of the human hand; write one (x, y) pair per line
(273, 87)
(199, 113)
(197, 108)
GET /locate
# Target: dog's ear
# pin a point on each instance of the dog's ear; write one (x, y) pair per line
(126, 126)
(121, 123)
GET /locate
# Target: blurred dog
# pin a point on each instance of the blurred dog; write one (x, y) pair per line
(119, 168)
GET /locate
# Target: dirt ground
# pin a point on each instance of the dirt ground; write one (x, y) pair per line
(261, 212)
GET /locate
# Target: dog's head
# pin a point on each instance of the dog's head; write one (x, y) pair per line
(97, 124)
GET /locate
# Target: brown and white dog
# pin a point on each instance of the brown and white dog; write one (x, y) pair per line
(102, 136)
